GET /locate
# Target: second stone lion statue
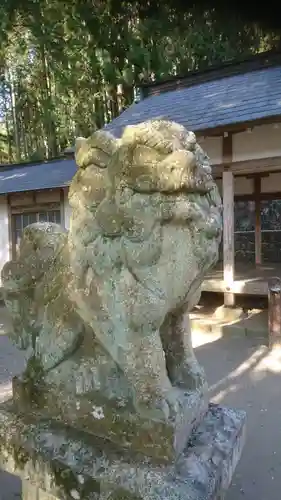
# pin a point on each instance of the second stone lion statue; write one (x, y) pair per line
(145, 228)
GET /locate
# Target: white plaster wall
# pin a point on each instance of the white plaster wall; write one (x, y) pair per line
(213, 148)
(4, 232)
(261, 142)
(243, 185)
(272, 183)
(66, 209)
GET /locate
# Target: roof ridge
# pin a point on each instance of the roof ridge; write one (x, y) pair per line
(231, 67)
(216, 104)
(8, 166)
(31, 177)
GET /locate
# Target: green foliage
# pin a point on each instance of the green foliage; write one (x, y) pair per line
(67, 68)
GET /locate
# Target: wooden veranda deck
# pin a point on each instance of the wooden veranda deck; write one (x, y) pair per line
(248, 279)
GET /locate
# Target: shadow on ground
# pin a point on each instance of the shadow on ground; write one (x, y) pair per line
(242, 373)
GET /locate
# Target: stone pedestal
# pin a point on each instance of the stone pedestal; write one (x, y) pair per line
(59, 462)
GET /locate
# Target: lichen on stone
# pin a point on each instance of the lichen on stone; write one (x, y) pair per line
(104, 307)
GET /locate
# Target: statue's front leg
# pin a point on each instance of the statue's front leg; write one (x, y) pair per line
(145, 369)
(137, 349)
(182, 366)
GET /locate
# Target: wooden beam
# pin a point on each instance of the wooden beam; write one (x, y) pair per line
(238, 127)
(259, 175)
(264, 196)
(251, 176)
(40, 207)
(259, 165)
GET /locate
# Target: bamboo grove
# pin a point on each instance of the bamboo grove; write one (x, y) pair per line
(69, 67)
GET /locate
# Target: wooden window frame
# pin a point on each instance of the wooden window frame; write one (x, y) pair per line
(258, 196)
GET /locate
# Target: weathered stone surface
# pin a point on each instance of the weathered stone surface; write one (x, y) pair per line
(104, 307)
(113, 403)
(162, 441)
(68, 465)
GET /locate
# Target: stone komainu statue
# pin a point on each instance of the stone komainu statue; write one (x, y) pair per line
(105, 306)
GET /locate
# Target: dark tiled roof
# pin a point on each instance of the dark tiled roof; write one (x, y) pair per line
(18, 178)
(233, 99)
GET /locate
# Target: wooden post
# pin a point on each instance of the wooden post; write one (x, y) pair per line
(257, 194)
(62, 209)
(228, 236)
(274, 312)
(228, 219)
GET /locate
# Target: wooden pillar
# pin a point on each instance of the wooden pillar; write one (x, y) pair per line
(62, 211)
(274, 312)
(67, 209)
(257, 194)
(5, 232)
(228, 220)
(228, 236)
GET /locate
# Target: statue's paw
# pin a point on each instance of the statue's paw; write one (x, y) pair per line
(189, 376)
(171, 404)
(162, 407)
(174, 400)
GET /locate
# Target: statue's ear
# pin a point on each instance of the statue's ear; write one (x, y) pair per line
(79, 142)
(81, 149)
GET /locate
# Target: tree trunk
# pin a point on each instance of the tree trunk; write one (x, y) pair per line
(50, 127)
(14, 117)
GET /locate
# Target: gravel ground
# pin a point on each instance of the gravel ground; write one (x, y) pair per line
(242, 374)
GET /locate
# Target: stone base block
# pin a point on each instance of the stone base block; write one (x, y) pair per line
(112, 420)
(56, 461)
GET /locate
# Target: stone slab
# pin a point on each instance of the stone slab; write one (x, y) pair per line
(68, 464)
